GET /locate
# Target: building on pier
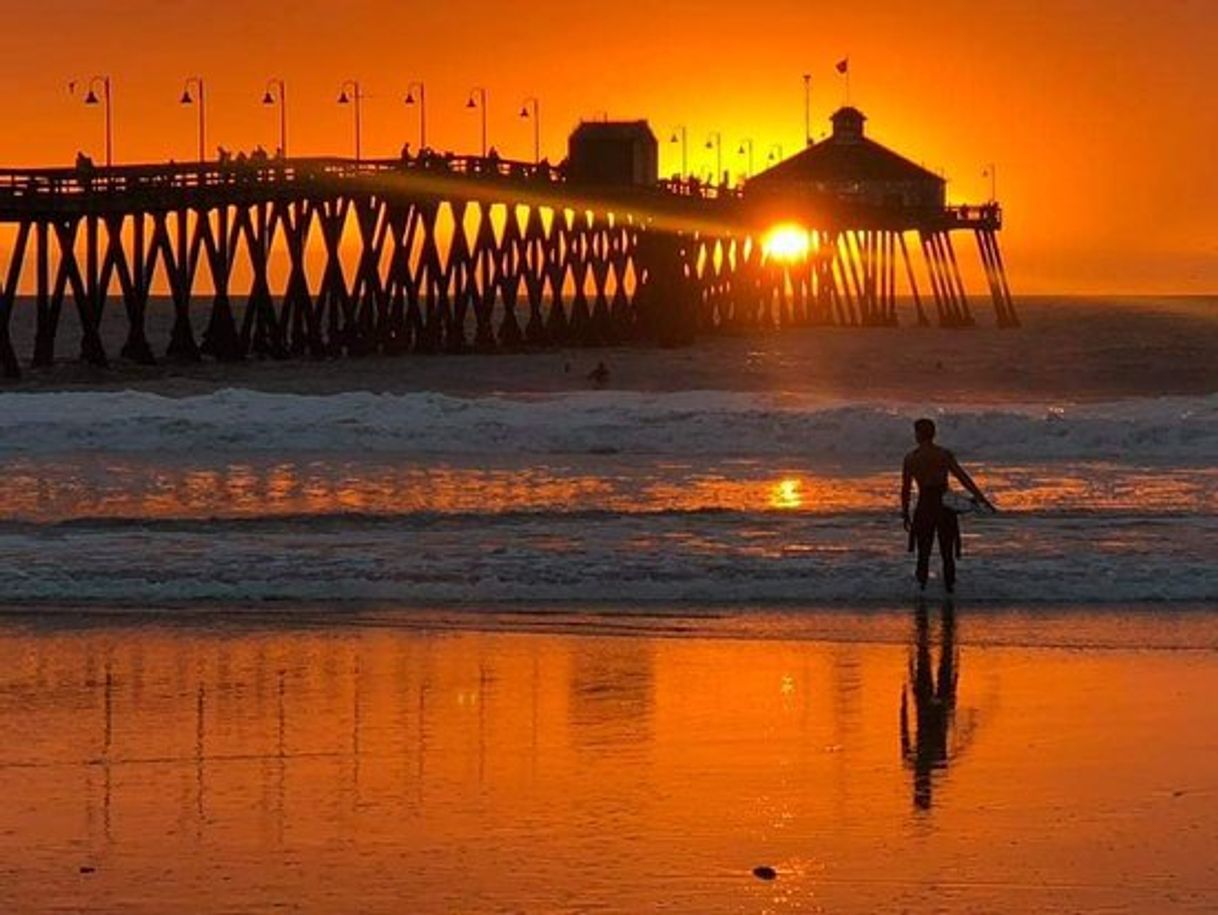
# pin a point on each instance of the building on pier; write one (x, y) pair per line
(619, 153)
(849, 168)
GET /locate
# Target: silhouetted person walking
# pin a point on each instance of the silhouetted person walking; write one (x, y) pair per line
(930, 465)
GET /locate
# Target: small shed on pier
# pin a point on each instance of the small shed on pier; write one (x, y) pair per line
(617, 153)
(849, 168)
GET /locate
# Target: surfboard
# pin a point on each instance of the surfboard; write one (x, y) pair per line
(963, 504)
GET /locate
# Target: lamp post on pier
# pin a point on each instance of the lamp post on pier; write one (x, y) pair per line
(279, 97)
(991, 172)
(807, 109)
(775, 153)
(353, 98)
(746, 148)
(200, 100)
(477, 99)
(421, 101)
(681, 135)
(92, 98)
(715, 142)
(532, 104)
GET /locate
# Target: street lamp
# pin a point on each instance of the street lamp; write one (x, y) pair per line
(681, 135)
(807, 109)
(991, 172)
(477, 99)
(187, 99)
(715, 142)
(91, 98)
(421, 100)
(532, 103)
(775, 153)
(353, 98)
(746, 146)
(279, 97)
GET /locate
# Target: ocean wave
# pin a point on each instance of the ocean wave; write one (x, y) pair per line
(707, 559)
(1158, 580)
(405, 523)
(701, 423)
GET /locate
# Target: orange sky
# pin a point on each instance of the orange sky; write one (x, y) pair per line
(1099, 113)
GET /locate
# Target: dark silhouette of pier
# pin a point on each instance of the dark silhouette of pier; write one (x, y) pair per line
(277, 257)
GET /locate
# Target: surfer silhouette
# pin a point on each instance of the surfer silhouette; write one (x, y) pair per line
(930, 466)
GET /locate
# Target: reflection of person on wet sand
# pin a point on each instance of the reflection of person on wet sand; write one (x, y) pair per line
(599, 376)
(934, 699)
(930, 466)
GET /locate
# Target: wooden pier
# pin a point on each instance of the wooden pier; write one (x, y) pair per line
(328, 257)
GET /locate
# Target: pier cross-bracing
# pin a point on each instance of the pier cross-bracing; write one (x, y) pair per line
(429, 253)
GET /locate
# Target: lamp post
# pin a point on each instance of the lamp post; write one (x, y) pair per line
(421, 101)
(91, 98)
(535, 106)
(681, 135)
(746, 147)
(715, 142)
(279, 97)
(807, 109)
(353, 98)
(477, 99)
(775, 153)
(188, 99)
(991, 172)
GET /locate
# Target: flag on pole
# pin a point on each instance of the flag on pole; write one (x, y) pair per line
(843, 68)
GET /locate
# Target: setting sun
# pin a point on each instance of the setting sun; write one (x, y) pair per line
(787, 242)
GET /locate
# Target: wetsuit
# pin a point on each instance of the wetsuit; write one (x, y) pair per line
(930, 518)
(929, 465)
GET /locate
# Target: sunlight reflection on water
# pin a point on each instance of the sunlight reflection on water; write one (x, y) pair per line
(85, 486)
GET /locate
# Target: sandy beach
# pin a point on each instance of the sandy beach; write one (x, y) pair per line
(976, 762)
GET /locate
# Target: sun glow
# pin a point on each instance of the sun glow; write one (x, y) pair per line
(787, 242)
(787, 495)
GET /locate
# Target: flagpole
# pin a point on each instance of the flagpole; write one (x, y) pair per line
(843, 69)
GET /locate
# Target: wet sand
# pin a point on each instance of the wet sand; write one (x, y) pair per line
(1069, 349)
(1022, 761)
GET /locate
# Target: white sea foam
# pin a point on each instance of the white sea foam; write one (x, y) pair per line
(703, 559)
(703, 423)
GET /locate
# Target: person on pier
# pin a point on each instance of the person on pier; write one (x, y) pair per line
(931, 465)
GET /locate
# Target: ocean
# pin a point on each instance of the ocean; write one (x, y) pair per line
(745, 471)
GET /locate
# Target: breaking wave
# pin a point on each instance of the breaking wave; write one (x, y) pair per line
(702, 423)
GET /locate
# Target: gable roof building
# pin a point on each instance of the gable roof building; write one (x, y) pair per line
(850, 168)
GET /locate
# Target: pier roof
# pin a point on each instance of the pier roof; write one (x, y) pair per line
(846, 156)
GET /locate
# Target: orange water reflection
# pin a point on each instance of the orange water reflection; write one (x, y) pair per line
(201, 768)
(117, 487)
